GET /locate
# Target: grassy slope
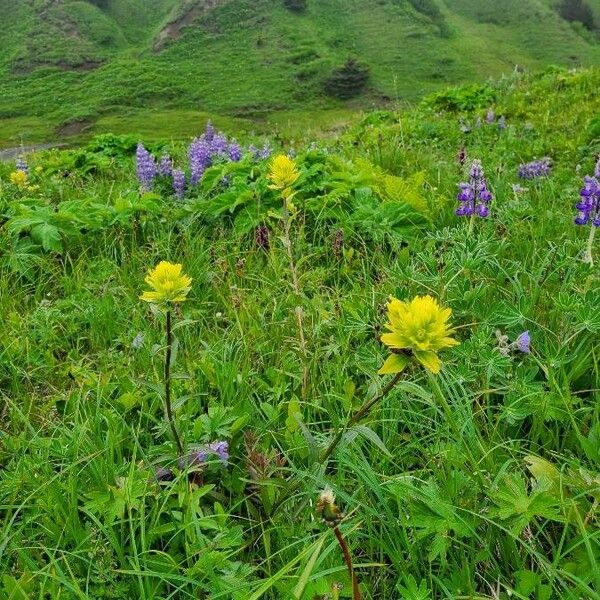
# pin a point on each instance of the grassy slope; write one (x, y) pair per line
(248, 58)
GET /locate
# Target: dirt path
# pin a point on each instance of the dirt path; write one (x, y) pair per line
(8, 154)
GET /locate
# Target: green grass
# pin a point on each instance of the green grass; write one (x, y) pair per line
(248, 59)
(479, 482)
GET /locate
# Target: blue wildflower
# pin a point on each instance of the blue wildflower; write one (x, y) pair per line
(535, 169)
(474, 196)
(165, 166)
(146, 167)
(523, 342)
(179, 183)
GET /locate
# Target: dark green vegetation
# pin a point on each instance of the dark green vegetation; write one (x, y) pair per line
(481, 482)
(72, 68)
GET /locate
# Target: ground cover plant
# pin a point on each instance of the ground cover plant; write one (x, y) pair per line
(364, 368)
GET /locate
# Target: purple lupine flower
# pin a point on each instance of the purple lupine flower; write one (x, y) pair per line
(146, 167)
(589, 202)
(218, 144)
(523, 342)
(490, 117)
(209, 134)
(502, 123)
(179, 183)
(199, 456)
(235, 151)
(597, 169)
(200, 158)
(207, 148)
(260, 153)
(21, 165)
(474, 196)
(535, 169)
(165, 166)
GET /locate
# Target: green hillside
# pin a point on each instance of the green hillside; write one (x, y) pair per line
(73, 66)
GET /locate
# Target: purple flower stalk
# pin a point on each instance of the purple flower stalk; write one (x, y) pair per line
(535, 169)
(179, 183)
(165, 167)
(490, 117)
(260, 153)
(235, 152)
(474, 197)
(21, 165)
(502, 123)
(589, 202)
(146, 167)
(204, 150)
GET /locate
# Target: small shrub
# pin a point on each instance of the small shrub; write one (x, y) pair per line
(348, 81)
(577, 11)
(296, 5)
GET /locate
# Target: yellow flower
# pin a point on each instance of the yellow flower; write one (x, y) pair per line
(18, 178)
(417, 328)
(283, 172)
(168, 284)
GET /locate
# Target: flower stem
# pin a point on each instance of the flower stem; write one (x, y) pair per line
(168, 406)
(358, 415)
(588, 257)
(348, 560)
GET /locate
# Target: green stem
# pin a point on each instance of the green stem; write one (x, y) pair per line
(358, 415)
(588, 257)
(168, 406)
(348, 560)
(362, 411)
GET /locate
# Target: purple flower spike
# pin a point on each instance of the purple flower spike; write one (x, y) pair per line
(209, 148)
(523, 342)
(502, 123)
(179, 183)
(235, 152)
(588, 206)
(474, 196)
(535, 169)
(490, 117)
(146, 168)
(165, 167)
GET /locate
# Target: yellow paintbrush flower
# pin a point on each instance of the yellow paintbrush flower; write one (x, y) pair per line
(418, 328)
(168, 283)
(283, 172)
(19, 178)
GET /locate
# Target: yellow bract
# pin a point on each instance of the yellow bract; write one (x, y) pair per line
(168, 284)
(283, 172)
(18, 178)
(418, 329)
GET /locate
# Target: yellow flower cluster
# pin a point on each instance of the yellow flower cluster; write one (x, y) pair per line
(169, 285)
(283, 173)
(19, 179)
(417, 329)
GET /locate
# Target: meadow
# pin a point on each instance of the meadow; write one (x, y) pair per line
(367, 367)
